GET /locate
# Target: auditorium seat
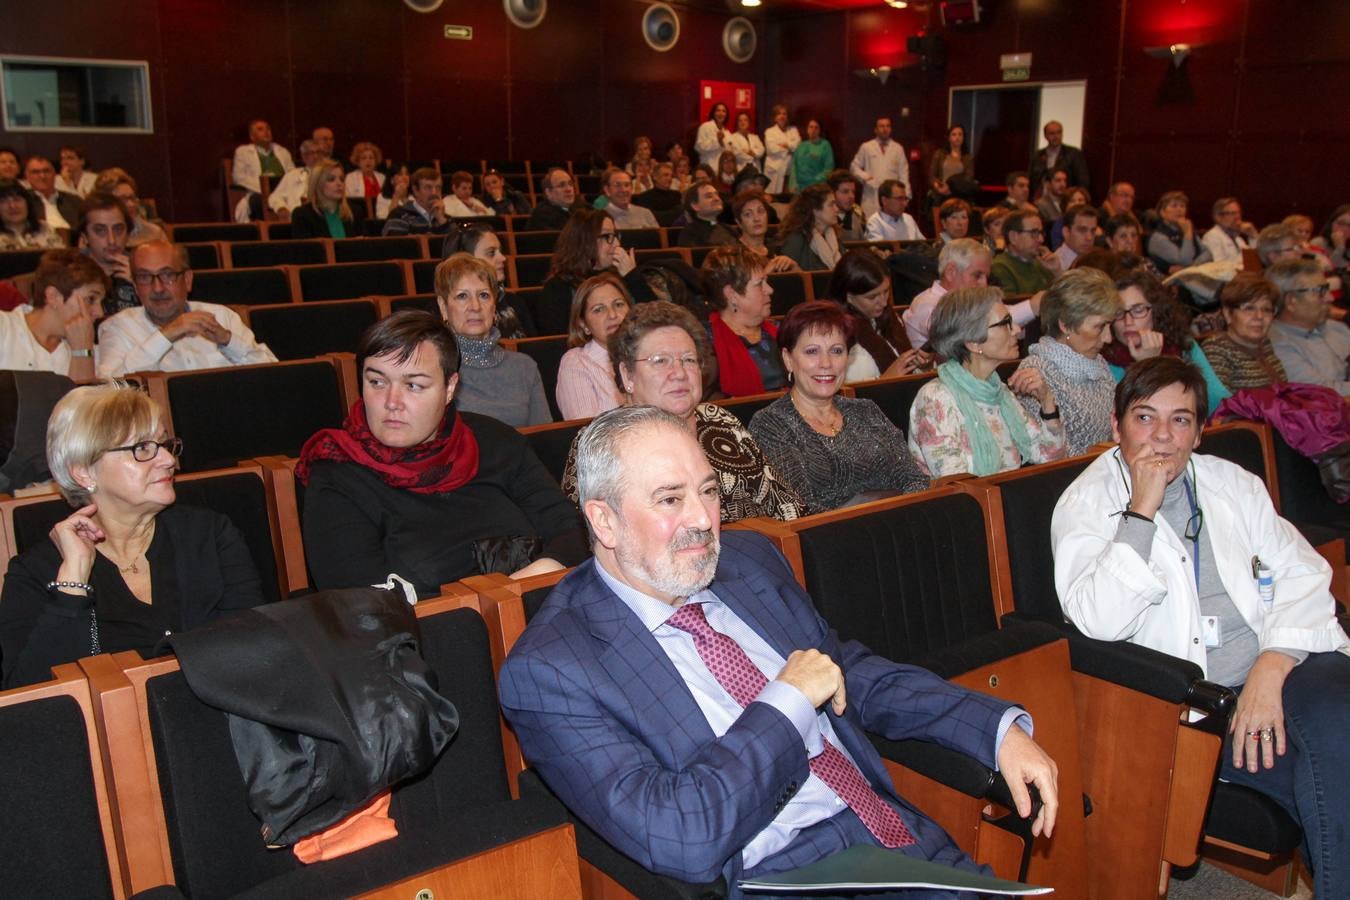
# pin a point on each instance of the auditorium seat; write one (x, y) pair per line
(425, 302)
(1148, 809)
(57, 838)
(307, 330)
(789, 289)
(547, 352)
(189, 233)
(534, 242)
(250, 254)
(744, 408)
(277, 231)
(531, 270)
(346, 281)
(459, 831)
(697, 254)
(678, 254)
(552, 443)
(247, 287)
(239, 493)
(820, 286)
(895, 395)
(424, 275)
(373, 249)
(642, 238)
(231, 414)
(912, 578)
(206, 255)
(18, 262)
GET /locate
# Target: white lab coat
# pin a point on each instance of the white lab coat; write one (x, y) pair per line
(777, 161)
(708, 145)
(872, 165)
(1108, 591)
(247, 168)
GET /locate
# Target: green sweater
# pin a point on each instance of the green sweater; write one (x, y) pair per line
(1018, 276)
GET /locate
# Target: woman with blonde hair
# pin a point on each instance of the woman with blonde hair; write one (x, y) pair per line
(327, 213)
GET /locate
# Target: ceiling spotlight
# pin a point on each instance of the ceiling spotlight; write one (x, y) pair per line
(898, 4)
(750, 2)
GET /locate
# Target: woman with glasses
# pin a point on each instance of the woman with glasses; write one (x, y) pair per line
(1076, 317)
(739, 292)
(658, 355)
(129, 566)
(493, 381)
(967, 419)
(833, 451)
(1152, 323)
(589, 243)
(1243, 356)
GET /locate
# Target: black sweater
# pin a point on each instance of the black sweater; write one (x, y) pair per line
(200, 569)
(358, 529)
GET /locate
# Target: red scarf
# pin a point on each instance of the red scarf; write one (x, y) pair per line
(736, 371)
(447, 461)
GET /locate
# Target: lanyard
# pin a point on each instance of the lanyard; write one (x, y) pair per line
(1195, 541)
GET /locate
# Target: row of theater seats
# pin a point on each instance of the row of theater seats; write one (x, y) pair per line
(957, 578)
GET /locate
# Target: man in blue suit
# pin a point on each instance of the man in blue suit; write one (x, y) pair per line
(699, 757)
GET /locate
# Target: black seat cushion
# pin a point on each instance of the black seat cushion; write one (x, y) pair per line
(202, 256)
(532, 271)
(370, 249)
(906, 580)
(301, 331)
(460, 807)
(51, 840)
(1248, 818)
(641, 238)
(788, 290)
(19, 262)
(552, 444)
(215, 231)
(547, 353)
(1028, 505)
(535, 242)
(746, 409)
(424, 276)
(423, 302)
(226, 415)
(895, 397)
(239, 496)
(1241, 446)
(250, 287)
(247, 254)
(1302, 497)
(352, 280)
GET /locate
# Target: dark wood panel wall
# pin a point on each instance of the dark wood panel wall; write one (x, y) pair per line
(1255, 110)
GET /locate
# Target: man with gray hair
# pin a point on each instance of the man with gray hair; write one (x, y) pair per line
(690, 669)
(289, 193)
(963, 263)
(1312, 348)
(1277, 242)
(167, 332)
(1230, 235)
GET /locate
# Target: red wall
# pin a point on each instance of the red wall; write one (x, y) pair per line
(1262, 116)
(1257, 111)
(583, 81)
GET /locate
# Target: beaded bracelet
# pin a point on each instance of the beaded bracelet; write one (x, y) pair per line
(79, 585)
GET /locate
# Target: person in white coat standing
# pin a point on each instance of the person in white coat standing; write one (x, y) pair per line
(1185, 554)
(712, 135)
(780, 140)
(878, 160)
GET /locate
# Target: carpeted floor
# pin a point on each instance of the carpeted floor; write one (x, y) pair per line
(1210, 883)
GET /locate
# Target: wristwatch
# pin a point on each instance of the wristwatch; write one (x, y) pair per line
(81, 354)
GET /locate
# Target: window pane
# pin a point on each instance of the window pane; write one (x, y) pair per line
(75, 94)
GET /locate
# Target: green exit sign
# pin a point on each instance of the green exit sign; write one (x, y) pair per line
(459, 32)
(1021, 73)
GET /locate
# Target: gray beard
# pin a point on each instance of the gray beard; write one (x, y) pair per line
(667, 581)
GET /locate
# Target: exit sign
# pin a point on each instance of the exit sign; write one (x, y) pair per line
(1020, 73)
(459, 32)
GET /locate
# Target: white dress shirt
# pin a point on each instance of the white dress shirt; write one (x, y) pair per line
(882, 227)
(1222, 245)
(920, 313)
(130, 342)
(20, 350)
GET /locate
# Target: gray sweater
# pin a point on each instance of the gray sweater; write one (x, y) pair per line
(498, 383)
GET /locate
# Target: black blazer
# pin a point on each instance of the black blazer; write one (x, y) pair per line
(308, 222)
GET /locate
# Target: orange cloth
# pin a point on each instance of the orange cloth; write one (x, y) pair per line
(366, 826)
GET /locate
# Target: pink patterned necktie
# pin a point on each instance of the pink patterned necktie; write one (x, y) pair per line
(744, 681)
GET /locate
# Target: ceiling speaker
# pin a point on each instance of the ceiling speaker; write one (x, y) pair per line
(660, 27)
(525, 13)
(738, 39)
(424, 6)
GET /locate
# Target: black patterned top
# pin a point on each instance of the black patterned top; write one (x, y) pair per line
(868, 454)
(748, 484)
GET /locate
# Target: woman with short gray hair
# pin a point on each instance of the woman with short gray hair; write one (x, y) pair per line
(111, 578)
(966, 419)
(1076, 317)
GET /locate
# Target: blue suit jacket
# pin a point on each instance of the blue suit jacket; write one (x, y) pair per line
(604, 716)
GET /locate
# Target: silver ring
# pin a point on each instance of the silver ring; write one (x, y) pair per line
(1268, 735)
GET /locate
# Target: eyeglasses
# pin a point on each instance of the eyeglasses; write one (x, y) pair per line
(167, 277)
(1253, 310)
(1138, 311)
(1320, 290)
(609, 237)
(1194, 525)
(662, 363)
(1005, 322)
(144, 451)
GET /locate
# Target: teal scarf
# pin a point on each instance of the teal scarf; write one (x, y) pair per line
(968, 391)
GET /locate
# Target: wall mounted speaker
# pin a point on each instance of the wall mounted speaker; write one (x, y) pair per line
(660, 27)
(739, 40)
(424, 6)
(525, 13)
